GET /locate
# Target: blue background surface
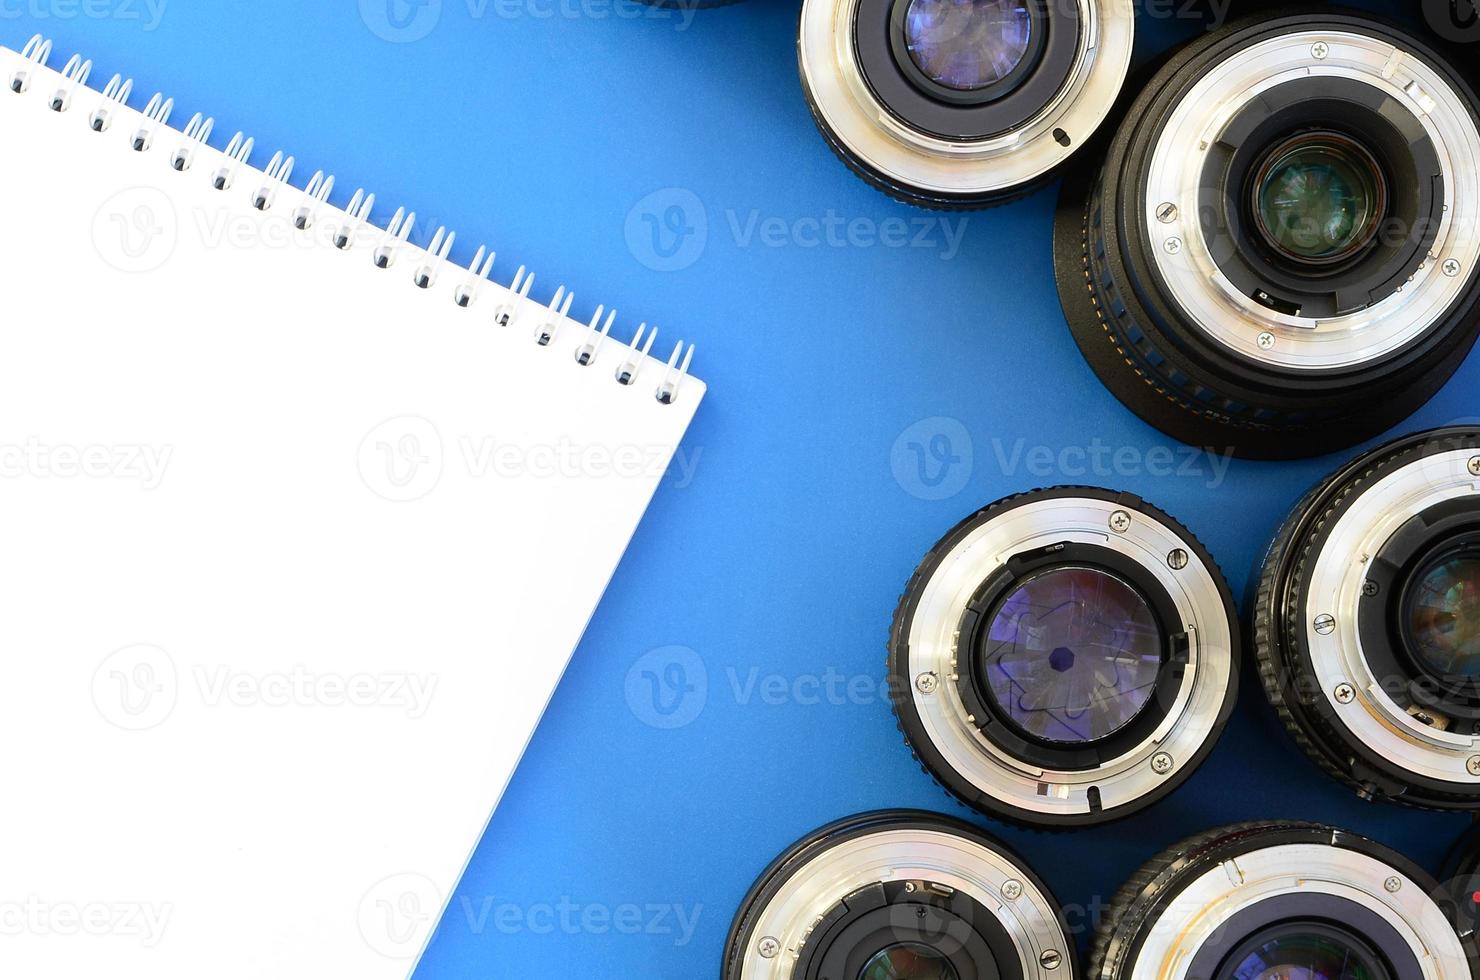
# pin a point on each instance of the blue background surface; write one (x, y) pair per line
(665, 164)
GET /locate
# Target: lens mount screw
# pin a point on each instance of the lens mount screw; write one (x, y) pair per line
(1324, 623)
(1177, 559)
(1320, 50)
(768, 947)
(926, 683)
(1474, 465)
(1472, 765)
(1051, 959)
(1161, 763)
(1370, 588)
(1167, 213)
(1173, 246)
(1345, 693)
(1012, 889)
(1120, 522)
(1452, 267)
(1266, 340)
(1393, 884)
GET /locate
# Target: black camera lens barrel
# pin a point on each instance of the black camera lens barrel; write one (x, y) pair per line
(892, 115)
(1222, 335)
(1064, 657)
(898, 888)
(1265, 898)
(1341, 657)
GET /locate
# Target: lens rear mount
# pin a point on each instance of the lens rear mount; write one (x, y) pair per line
(1064, 657)
(1275, 898)
(896, 890)
(1356, 680)
(893, 88)
(1270, 343)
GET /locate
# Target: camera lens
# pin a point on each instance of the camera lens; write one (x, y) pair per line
(1461, 878)
(1278, 900)
(961, 103)
(1064, 657)
(967, 44)
(1367, 627)
(909, 961)
(1071, 655)
(898, 895)
(1442, 620)
(1318, 198)
(1279, 228)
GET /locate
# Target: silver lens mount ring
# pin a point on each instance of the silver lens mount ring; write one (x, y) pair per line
(971, 745)
(1197, 909)
(1330, 633)
(952, 171)
(850, 891)
(1189, 263)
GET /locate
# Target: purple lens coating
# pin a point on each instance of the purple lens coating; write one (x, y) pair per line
(1072, 655)
(967, 44)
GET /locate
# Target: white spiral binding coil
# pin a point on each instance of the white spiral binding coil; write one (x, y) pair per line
(74, 76)
(115, 93)
(38, 49)
(156, 115)
(197, 132)
(396, 234)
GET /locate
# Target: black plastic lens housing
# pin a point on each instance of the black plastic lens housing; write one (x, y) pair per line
(1179, 917)
(857, 918)
(1076, 634)
(1219, 326)
(1391, 710)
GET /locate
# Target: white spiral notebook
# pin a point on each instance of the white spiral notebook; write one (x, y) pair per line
(300, 522)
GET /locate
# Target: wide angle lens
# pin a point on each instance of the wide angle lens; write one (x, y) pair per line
(1064, 657)
(1319, 198)
(962, 103)
(898, 895)
(1277, 900)
(967, 44)
(1276, 259)
(1367, 626)
(1072, 655)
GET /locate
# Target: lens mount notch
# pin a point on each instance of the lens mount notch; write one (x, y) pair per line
(1294, 880)
(855, 888)
(927, 143)
(992, 766)
(1220, 358)
(1336, 670)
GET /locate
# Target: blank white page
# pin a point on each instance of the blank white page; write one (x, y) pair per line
(294, 554)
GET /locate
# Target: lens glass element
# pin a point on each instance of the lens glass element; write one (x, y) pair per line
(1072, 655)
(1301, 956)
(967, 45)
(1444, 616)
(1318, 198)
(908, 961)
